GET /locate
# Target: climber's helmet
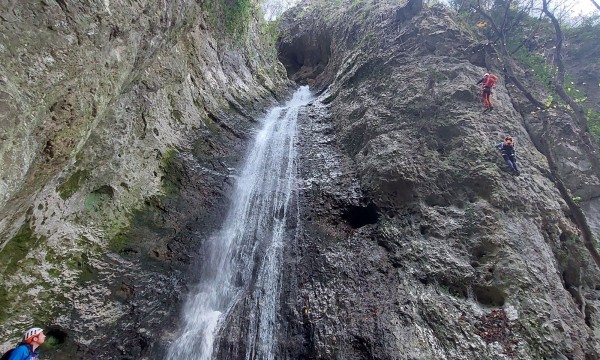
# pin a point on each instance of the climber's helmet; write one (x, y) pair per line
(31, 334)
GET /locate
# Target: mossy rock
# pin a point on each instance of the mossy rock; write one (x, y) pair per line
(17, 248)
(96, 200)
(72, 185)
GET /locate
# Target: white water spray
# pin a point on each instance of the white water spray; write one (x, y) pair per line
(243, 259)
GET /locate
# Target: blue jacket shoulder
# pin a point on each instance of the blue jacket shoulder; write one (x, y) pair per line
(20, 353)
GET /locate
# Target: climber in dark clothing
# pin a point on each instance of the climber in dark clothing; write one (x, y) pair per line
(508, 153)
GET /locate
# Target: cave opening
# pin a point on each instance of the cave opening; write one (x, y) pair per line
(359, 216)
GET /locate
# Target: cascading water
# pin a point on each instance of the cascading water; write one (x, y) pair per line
(243, 259)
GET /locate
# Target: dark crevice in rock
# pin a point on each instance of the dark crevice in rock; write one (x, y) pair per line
(359, 216)
(48, 150)
(363, 346)
(58, 335)
(458, 290)
(589, 315)
(489, 296)
(105, 190)
(145, 122)
(305, 59)
(63, 5)
(484, 251)
(562, 237)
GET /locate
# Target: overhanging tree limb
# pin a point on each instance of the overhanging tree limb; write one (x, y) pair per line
(596, 4)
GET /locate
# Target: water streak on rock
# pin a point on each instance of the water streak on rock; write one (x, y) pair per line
(243, 258)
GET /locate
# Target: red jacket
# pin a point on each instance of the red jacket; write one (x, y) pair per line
(490, 81)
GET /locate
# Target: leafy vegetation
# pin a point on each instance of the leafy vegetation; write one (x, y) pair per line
(515, 27)
(232, 16)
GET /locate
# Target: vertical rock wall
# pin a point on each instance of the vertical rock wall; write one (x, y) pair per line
(121, 124)
(418, 242)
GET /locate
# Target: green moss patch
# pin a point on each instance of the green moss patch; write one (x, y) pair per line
(17, 249)
(148, 220)
(119, 242)
(70, 187)
(233, 16)
(96, 200)
(172, 170)
(4, 303)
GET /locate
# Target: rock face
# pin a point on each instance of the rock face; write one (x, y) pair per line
(121, 123)
(417, 241)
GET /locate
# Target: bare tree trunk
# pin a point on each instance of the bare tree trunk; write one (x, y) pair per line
(544, 147)
(506, 58)
(530, 36)
(559, 79)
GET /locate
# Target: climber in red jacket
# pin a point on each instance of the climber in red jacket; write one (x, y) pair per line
(487, 83)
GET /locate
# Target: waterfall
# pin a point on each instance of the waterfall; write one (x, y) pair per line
(242, 259)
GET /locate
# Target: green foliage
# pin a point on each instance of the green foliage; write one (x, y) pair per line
(543, 72)
(233, 16)
(545, 75)
(271, 31)
(583, 39)
(593, 118)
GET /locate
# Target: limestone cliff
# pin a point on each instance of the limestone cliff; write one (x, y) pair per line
(122, 125)
(417, 242)
(120, 122)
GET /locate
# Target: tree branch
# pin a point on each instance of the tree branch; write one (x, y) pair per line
(506, 58)
(533, 31)
(559, 78)
(596, 4)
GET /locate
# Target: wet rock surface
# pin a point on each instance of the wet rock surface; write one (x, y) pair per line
(122, 126)
(453, 257)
